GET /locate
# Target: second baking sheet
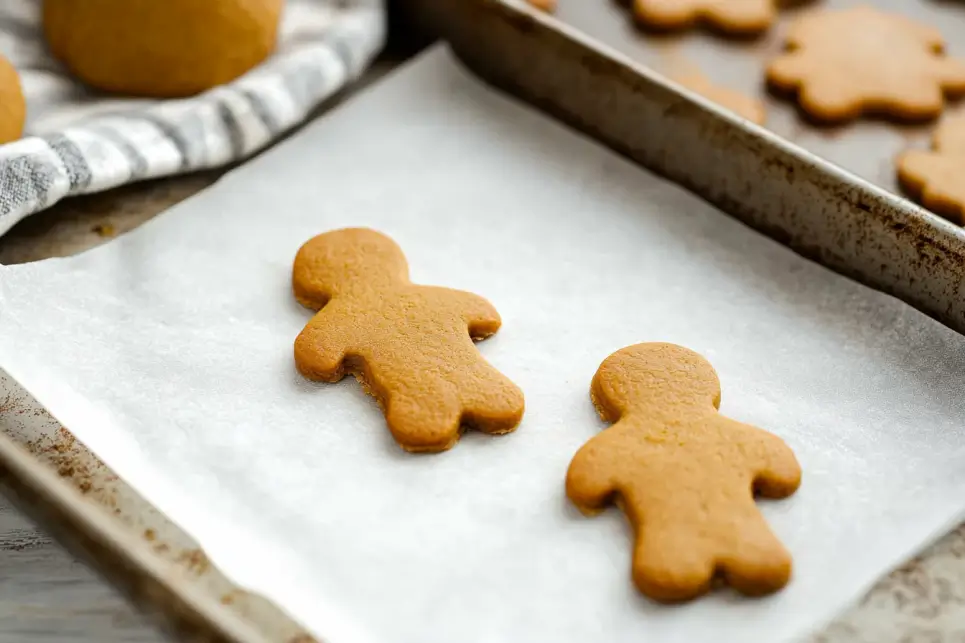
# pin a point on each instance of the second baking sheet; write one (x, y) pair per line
(866, 147)
(169, 353)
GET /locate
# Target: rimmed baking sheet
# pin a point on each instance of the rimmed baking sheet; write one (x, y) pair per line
(866, 147)
(176, 371)
(815, 207)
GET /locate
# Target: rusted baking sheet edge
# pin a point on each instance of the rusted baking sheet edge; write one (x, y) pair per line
(89, 532)
(58, 482)
(798, 199)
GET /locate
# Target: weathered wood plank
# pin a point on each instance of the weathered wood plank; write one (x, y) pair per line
(47, 596)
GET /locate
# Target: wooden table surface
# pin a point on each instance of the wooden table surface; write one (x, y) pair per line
(46, 595)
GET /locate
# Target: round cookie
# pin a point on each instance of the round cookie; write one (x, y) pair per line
(160, 48)
(13, 108)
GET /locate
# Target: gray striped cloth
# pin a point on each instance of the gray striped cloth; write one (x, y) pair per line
(78, 142)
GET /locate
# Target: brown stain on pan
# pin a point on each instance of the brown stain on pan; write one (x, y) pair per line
(89, 475)
(58, 449)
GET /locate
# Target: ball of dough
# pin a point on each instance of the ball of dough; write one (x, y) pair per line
(160, 48)
(13, 108)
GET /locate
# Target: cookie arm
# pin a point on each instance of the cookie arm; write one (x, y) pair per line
(480, 315)
(320, 349)
(777, 472)
(589, 480)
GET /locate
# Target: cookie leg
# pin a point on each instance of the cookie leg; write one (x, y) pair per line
(423, 421)
(494, 405)
(759, 563)
(671, 565)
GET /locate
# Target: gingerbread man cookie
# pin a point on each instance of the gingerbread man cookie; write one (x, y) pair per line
(410, 346)
(684, 474)
(735, 17)
(743, 106)
(856, 61)
(935, 177)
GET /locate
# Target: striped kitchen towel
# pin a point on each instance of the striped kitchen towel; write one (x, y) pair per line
(78, 141)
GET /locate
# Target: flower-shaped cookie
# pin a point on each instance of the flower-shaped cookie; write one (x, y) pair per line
(935, 177)
(736, 17)
(857, 61)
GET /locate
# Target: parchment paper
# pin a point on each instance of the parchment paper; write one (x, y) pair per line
(169, 353)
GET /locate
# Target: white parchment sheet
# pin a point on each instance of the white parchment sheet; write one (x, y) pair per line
(169, 353)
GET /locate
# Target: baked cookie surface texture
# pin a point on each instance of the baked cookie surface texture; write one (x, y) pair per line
(160, 48)
(411, 346)
(684, 475)
(842, 64)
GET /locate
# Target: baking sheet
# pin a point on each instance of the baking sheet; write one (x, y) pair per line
(133, 541)
(866, 147)
(168, 352)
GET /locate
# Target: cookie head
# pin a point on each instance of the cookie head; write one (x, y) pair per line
(346, 261)
(655, 379)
